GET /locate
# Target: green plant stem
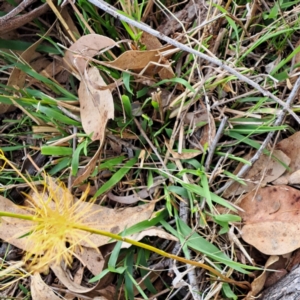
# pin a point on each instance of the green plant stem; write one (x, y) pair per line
(135, 243)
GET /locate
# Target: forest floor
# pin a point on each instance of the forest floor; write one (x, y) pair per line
(148, 149)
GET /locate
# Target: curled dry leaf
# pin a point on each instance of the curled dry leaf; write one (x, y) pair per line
(40, 290)
(271, 217)
(291, 147)
(258, 283)
(143, 60)
(85, 48)
(152, 231)
(96, 106)
(83, 174)
(265, 169)
(63, 276)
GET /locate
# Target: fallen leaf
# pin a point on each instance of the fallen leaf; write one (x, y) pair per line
(96, 106)
(150, 61)
(83, 174)
(294, 178)
(151, 231)
(291, 147)
(63, 276)
(85, 48)
(92, 259)
(258, 283)
(69, 21)
(40, 290)
(265, 169)
(150, 41)
(117, 220)
(271, 217)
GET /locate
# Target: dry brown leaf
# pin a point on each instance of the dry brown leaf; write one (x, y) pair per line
(83, 174)
(84, 49)
(258, 283)
(96, 106)
(271, 217)
(143, 60)
(117, 220)
(62, 275)
(291, 147)
(40, 290)
(151, 231)
(265, 169)
(92, 259)
(294, 178)
(150, 41)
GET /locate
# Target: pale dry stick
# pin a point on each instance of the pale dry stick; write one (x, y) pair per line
(81, 17)
(257, 155)
(112, 11)
(63, 22)
(214, 142)
(69, 114)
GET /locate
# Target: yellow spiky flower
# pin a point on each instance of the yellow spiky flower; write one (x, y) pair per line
(54, 234)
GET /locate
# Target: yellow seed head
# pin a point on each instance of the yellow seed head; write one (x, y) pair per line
(54, 235)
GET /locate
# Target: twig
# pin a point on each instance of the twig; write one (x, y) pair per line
(257, 155)
(18, 21)
(16, 11)
(112, 11)
(214, 142)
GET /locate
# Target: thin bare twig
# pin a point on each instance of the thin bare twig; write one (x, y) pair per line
(112, 11)
(214, 143)
(257, 155)
(16, 11)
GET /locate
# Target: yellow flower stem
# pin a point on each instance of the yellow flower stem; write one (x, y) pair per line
(138, 244)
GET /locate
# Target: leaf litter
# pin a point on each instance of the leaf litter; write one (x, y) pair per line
(184, 131)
